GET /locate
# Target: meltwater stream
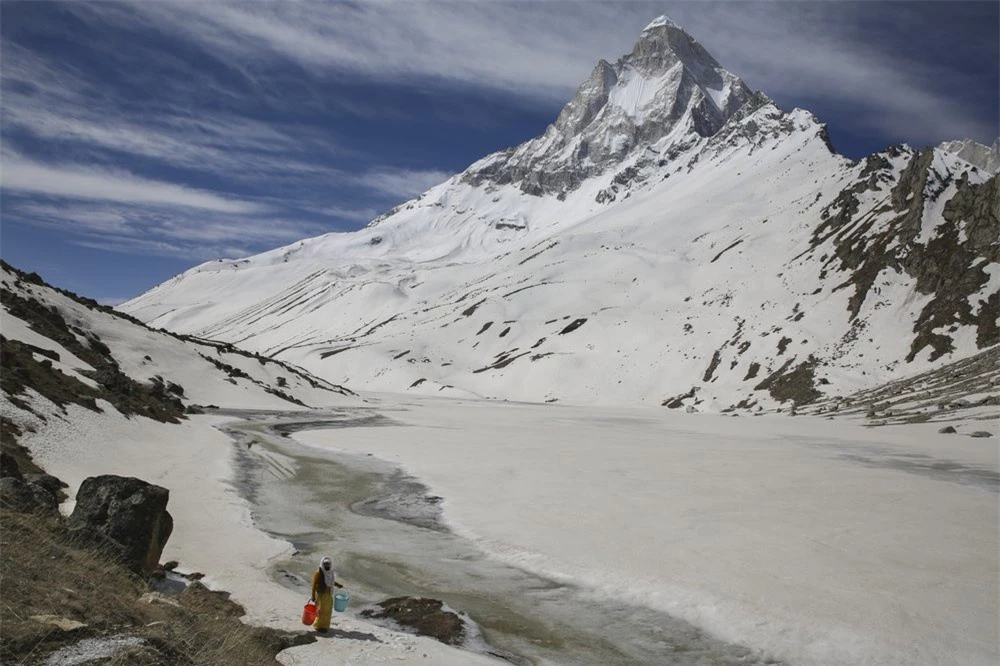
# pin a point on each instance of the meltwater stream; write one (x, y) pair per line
(383, 531)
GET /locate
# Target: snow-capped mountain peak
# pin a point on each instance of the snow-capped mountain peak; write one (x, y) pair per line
(663, 43)
(667, 86)
(662, 21)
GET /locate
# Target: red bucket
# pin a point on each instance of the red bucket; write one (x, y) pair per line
(309, 612)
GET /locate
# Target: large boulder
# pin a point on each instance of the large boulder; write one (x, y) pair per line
(129, 511)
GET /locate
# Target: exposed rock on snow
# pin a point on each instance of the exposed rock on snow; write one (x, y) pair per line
(934, 395)
(425, 617)
(70, 350)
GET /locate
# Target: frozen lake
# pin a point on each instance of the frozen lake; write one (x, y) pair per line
(386, 534)
(645, 536)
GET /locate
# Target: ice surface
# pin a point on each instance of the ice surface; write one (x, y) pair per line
(821, 542)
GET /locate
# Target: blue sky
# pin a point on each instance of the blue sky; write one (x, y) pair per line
(140, 139)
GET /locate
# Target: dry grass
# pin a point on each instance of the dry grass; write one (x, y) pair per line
(44, 571)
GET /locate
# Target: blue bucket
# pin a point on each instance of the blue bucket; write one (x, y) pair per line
(340, 601)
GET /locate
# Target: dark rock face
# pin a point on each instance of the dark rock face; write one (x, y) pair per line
(978, 207)
(947, 430)
(426, 617)
(677, 401)
(948, 266)
(27, 489)
(129, 511)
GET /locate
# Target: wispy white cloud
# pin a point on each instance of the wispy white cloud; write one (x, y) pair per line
(85, 218)
(21, 174)
(400, 183)
(163, 231)
(474, 43)
(148, 247)
(41, 100)
(540, 51)
(350, 214)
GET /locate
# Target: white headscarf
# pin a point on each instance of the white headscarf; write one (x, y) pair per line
(329, 577)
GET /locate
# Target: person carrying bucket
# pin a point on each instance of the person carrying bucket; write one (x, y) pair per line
(323, 582)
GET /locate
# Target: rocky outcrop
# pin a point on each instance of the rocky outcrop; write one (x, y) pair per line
(425, 617)
(65, 602)
(129, 511)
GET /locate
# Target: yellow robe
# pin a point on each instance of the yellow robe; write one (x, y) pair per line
(324, 601)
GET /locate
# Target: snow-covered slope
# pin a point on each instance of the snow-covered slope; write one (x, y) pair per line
(672, 238)
(60, 350)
